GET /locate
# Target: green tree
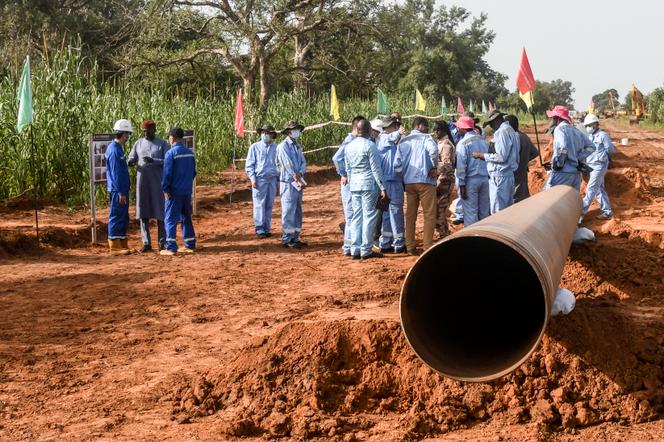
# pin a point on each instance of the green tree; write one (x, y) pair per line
(603, 101)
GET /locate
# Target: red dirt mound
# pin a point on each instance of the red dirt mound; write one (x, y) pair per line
(345, 377)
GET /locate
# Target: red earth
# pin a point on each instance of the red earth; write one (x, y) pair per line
(248, 340)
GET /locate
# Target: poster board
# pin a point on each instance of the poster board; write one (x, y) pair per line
(190, 142)
(97, 164)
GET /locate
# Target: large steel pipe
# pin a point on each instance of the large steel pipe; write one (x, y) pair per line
(475, 305)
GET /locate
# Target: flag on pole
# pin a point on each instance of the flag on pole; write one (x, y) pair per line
(239, 115)
(460, 109)
(334, 105)
(443, 106)
(591, 106)
(420, 102)
(491, 106)
(525, 81)
(24, 97)
(472, 106)
(381, 102)
(484, 108)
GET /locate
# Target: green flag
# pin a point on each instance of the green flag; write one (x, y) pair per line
(443, 106)
(24, 96)
(381, 102)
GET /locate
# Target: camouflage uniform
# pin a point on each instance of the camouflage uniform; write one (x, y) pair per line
(445, 182)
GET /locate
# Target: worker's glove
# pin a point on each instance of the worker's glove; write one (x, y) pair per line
(148, 160)
(584, 168)
(546, 166)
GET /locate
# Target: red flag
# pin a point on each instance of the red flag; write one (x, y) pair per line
(239, 115)
(525, 80)
(491, 106)
(460, 109)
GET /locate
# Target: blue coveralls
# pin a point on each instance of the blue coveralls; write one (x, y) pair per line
(178, 179)
(570, 146)
(472, 173)
(392, 230)
(290, 161)
(366, 181)
(261, 167)
(599, 162)
(117, 184)
(501, 166)
(346, 197)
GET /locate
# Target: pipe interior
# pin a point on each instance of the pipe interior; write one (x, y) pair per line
(473, 307)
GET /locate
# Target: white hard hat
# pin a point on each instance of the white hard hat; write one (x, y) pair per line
(590, 119)
(377, 125)
(123, 125)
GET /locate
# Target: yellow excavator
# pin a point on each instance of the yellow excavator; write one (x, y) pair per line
(638, 110)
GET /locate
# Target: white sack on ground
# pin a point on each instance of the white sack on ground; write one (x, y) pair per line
(563, 303)
(582, 235)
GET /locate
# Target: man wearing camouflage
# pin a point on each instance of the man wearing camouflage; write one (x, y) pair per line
(445, 180)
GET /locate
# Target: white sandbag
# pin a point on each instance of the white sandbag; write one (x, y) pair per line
(563, 303)
(453, 206)
(582, 235)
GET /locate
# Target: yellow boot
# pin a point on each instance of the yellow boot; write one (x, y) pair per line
(115, 247)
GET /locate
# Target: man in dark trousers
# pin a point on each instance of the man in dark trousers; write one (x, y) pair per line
(527, 153)
(177, 183)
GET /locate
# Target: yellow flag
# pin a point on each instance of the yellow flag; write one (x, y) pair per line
(334, 105)
(527, 98)
(420, 102)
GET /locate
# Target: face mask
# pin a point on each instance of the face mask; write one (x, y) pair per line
(590, 130)
(295, 134)
(266, 138)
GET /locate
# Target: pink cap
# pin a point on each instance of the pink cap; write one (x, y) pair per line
(465, 123)
(561, 112)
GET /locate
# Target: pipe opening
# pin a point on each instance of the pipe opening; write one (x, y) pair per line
(472, 308)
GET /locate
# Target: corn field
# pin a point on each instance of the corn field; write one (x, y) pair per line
(70, 103)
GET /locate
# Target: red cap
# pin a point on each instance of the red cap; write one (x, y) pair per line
(147, 123)
(561, 112)
(465, 123)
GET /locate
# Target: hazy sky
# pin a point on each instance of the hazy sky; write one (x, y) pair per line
(594, 44)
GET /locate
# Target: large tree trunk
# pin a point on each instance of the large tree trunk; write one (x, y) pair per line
(302, 63)
(264, 82)
(248, 79)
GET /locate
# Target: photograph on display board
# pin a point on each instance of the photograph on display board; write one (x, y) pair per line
(98, 145)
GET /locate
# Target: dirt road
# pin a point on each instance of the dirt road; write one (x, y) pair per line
(248, 339)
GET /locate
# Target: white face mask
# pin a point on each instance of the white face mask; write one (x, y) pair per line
(590, 130)
(266, 138)
(295, 134)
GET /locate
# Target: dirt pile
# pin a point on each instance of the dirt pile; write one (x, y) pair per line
(15, 242)
(343, 378)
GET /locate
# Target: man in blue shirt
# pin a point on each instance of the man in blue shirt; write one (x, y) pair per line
(417, 158)
(346, 198)
(177, 184)
(117, 184)
(471, 173)
(599, 162)
(292, 167)
(501, 164)
(261, 168)
(366, 185)
(570, 149)
(392, 231)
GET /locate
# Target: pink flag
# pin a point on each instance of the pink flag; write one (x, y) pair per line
(460, 109)
(239, 115)
(491, 106)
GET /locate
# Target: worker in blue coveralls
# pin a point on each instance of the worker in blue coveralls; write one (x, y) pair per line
(292, 167)
(471, 173)
(261, 168)
(599, 162)
(177, 184)
(366, 185)
(117, 184)
(392, 231)
(571, 147)
(501, 164)
(346, 199)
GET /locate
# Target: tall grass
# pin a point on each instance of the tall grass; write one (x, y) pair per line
(71, 103)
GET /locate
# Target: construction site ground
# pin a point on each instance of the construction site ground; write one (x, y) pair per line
(249, 340)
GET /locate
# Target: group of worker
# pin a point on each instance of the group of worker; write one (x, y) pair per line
(379, 164)
(164, 184)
